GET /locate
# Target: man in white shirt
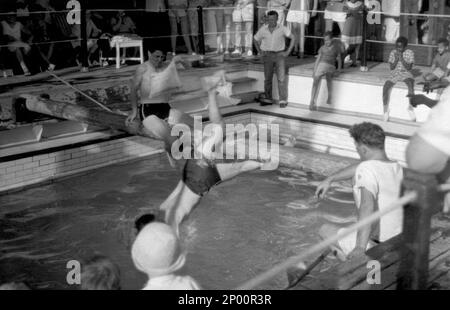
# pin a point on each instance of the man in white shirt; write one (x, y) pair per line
(270, 41)
(377, 184)
(429, 149)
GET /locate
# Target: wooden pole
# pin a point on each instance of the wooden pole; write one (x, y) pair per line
(90, 116)
(413, 272)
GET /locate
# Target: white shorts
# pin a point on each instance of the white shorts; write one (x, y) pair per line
(348, 243)
(243, 15)
(338, 17)
(13, 46)
(300, 17)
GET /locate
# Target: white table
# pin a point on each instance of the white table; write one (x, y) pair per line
(126, 44)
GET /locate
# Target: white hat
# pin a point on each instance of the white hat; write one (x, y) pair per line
(156, 250)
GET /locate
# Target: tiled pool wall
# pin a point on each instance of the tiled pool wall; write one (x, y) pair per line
(16, 174)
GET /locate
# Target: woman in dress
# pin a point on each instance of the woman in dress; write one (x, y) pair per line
(352, 33)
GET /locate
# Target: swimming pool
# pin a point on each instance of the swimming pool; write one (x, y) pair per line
(241, 228)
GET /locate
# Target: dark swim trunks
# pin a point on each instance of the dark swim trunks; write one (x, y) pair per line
(160, 110)
(198, 178)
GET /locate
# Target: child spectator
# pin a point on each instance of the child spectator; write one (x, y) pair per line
(100, 273)
(157, 252)
(401, 61)
(92, 32)
(439, 68)
(12, 31)
(325, 66)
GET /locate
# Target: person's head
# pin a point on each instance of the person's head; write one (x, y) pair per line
(328, 38)
(143, 220)
(442, 45)
(156, 250)
(11, 18)
(156, 57)
(121, 13)
(272, 18)
(369, 138)
(100, 273)
(401, 44)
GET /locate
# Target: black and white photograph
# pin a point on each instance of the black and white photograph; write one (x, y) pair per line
(249, 149)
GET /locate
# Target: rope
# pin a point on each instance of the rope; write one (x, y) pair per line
(80, 92)
(322, 246)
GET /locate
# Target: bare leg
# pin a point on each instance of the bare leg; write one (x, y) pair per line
(314, 93)
(220, 29)
(387, 90)
(173, 33)
(171, 201)
(228, 171)
(187, 200)
(228, 22)
(295, 32)
(302, 39)
(185, 32)
(328, 24)
(329, 79)
(237, 39)
(248, 35)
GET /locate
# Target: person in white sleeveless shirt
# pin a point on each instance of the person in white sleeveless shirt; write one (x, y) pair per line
(376, 185)
(12, 30)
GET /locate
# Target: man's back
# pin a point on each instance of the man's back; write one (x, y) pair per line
(383, 180)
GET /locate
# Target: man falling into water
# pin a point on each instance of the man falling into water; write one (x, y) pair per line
(204, 172)
(376, 185)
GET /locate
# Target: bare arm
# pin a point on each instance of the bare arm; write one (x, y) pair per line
(393, 65)
(344, 174)
(339, 61)
(291, 45)
(423, 157)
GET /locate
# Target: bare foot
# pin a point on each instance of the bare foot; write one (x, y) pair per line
(213, 81)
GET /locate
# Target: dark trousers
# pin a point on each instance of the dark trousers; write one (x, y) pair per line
(275, 63)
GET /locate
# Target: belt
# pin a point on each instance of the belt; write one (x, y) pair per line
(273, 52)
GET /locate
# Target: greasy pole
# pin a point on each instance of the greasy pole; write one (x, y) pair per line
(85, 115)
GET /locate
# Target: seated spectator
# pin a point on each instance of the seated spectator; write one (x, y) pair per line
(100, 273)
(377, 184)
(92, 32)
(39, 28)
(401, 61)
(157, 252)
(325, 66)
(12, 31)
(439, 68)
(122, 24)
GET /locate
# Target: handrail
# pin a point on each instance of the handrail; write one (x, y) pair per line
(319, 248)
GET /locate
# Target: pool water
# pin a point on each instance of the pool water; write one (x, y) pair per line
(241, 228)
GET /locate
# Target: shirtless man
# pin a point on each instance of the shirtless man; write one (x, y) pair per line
(200, 175)
(144, 105)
